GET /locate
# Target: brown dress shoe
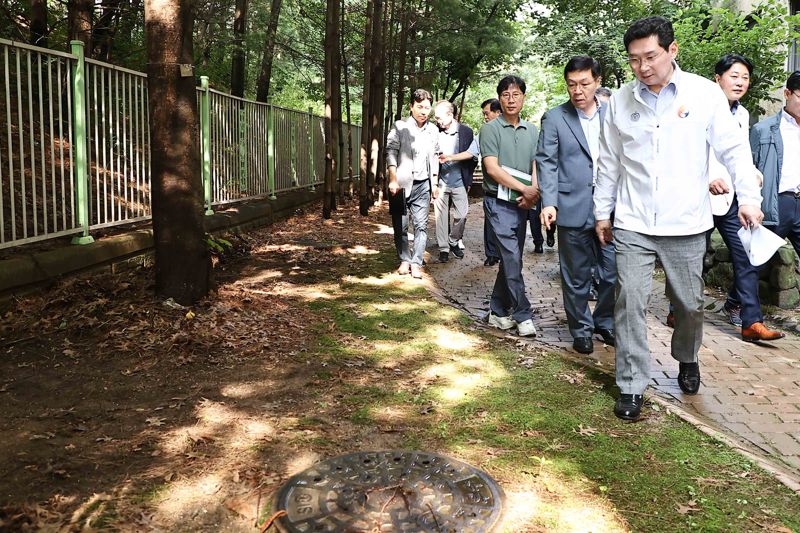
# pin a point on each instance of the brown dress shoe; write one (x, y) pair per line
(416, 271)
(759, 332)
(404, 268)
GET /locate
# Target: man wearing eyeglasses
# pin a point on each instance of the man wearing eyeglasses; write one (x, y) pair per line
(775, 142)
(653, 174)
(508, 146)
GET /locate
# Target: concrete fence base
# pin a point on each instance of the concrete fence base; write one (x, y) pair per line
(37, 268)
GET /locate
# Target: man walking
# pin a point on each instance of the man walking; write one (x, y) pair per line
(491, 110)
(455, 179)
(775, 142)
(508, 146)
(413, 167)
(569, 145)
(743, 305)
(653, 175)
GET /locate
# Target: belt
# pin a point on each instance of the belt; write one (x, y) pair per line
(490, 194)
(795, 194)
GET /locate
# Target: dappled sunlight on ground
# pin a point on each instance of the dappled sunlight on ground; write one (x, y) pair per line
(450, 339)
(310, 293)
(260, 277)
(381, 229)
(460, 378)
(361, 250)
(184, 496)
(521, 507)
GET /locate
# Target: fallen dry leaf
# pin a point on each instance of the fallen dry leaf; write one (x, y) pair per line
(586, 431)
(155, 421)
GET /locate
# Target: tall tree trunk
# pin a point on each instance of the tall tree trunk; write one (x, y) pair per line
(376, 78)
(39, 29)
(79, 18)
(238, 57)
(379, 92)
(391, 47)
(183, 263)
(460, 109)
(347, 109)
(331, 128)
(337, 107)
(262, 88)
(401, 58)
(363, 194)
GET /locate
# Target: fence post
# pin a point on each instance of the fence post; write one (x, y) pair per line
(205, 141)
(271, 153)
(311, 168)
(242, 146)
(79, 127)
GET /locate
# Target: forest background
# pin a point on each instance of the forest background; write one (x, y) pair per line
(271, 50)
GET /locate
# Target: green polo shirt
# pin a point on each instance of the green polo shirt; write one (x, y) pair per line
(513, 147)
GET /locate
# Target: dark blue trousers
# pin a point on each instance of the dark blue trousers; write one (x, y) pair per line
(744, 291)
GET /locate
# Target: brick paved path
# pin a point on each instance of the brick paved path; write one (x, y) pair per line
(748, 391)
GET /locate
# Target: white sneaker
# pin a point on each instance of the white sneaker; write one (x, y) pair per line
(461, 243)
(500, 322)
(526, 328)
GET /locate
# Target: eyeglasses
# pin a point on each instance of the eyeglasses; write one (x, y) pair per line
(514, 95)
(639, 62)
(796, 93)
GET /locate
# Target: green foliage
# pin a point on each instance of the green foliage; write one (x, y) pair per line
(594, 28)
(705, 34)
(218, 245)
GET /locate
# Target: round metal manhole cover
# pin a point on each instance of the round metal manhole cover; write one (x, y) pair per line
(390, 491)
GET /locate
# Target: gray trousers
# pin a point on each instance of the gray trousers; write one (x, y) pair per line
(441, 208)
(578, 251)
(682, 259)
(417, 207)
(509, 224)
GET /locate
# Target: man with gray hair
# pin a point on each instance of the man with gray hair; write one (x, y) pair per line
(455, 179)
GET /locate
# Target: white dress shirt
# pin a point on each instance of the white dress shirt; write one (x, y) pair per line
(790, 168)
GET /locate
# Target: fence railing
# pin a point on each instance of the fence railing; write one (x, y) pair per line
(75, 153)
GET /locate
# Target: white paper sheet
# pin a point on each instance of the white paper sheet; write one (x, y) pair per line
(760, 244)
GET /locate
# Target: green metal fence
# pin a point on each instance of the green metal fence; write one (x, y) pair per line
(75, 153)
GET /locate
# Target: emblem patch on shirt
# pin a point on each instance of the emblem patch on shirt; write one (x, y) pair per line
(683, 112)
(635, 116)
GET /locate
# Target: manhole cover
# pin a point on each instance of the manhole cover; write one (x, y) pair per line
(390, 491)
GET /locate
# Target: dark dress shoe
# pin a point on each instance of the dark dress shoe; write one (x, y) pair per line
(491, 261)
(629, 406)
(551, 237)
(456, 251)
(538, 249)
(607, 334)
(689, 377)
(583, 344)
(444, 257)
(671, 320)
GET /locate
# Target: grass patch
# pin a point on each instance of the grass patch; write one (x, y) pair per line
(547, 433)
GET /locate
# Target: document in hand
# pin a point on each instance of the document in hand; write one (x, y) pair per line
(510, 195)
(760, 244)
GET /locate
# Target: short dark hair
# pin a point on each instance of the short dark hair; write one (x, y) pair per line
(793, 83)
(643, 28)
(582, 63)
(508, 81)
(420, 95)
(729, 60)
(493, 103)
(603, 91)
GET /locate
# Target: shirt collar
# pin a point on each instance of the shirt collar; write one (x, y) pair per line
(583, 115)
(789, 118)
(505, 124)
(673, 82)
(735, 107)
